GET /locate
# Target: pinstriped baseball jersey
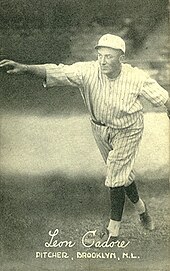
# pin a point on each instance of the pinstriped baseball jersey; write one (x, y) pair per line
(116, 104)
(113, 102)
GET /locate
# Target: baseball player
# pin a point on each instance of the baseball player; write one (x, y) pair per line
(112, 92)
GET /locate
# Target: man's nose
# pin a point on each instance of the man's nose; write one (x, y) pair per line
(103, 60)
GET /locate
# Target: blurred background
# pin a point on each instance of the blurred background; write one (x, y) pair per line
(52, 174)
(39, 31)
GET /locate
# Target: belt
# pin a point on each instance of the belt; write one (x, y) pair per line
(98, 122)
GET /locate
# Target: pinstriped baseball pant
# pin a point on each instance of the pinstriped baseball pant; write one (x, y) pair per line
(118, 148)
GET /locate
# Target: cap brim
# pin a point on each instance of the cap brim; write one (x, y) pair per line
(99, 46)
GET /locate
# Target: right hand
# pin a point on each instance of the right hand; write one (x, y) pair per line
(13, 67)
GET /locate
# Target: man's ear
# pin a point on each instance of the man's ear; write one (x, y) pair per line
(121, 58)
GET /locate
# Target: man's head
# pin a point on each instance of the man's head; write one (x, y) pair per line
(111, 50)
(111, 41)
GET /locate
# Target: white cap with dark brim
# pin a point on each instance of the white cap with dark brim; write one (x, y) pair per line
(111, 41)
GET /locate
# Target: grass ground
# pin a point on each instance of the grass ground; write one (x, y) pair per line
(31, 206)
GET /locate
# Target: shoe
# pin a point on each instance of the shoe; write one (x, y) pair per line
(104, 236)
(110, 241)
(146, 220)
(105, 240)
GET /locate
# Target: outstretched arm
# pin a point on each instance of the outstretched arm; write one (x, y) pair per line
(51, 74)
(13, 67)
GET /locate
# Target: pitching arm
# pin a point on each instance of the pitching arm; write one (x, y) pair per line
(156, 94)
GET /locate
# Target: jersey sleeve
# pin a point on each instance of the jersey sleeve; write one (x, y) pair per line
(153, 92)
(63, 75)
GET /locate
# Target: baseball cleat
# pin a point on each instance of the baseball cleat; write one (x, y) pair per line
(111, 241)
(104, 236)
(105, 240)
(146, 220)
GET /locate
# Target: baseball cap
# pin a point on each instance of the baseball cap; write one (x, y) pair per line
(111, 41)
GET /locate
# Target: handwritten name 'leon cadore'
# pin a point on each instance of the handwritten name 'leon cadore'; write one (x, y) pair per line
(90, 236)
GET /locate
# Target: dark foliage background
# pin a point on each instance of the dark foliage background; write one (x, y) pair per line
(44, 28)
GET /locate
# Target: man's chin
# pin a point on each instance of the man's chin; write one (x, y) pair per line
(105, 71)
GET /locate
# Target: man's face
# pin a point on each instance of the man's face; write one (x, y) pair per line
(109, 60)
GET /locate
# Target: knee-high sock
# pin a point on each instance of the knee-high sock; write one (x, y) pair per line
(117, 200)
(132, 193)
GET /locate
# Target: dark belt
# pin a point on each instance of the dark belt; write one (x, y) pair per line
(98, 122)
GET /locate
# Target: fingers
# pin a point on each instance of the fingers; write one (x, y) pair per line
(5, 62)
(9, 65)
(11, 71)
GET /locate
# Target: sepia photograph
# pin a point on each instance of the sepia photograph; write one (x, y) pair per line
(84, 135)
